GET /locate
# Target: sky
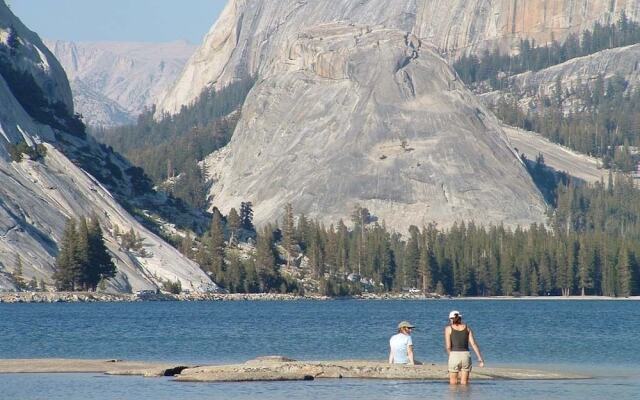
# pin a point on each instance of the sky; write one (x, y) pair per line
(119, 20)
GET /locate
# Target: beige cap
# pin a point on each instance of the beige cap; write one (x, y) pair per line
(405, 324)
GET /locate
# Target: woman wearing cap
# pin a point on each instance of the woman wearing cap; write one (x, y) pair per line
(401, 345)
(458, 337)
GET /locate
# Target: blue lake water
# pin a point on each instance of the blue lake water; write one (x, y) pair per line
(597, 337)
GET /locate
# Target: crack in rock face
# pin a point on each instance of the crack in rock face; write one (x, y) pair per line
(348, 114)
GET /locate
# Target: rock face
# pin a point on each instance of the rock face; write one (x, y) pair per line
(530, 86)
(467, 26)
(248, 32)
(560, 158)
(352, 105)
(347, 114)
(37, 197)
(36, 59)
(113, 82)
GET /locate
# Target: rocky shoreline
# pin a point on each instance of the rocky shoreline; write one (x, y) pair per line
(95, 297)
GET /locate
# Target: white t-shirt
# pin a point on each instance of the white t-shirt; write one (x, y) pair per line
(400, 348)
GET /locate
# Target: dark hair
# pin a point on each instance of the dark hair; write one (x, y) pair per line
(456, 318)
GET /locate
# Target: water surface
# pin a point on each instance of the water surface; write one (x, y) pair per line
(597, 337)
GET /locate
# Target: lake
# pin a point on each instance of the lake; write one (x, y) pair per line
(597, 337)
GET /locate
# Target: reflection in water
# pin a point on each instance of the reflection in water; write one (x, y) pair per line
(458, 392)
(96, 387)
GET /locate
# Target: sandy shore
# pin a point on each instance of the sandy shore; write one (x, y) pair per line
(90, 297)
(274, 368)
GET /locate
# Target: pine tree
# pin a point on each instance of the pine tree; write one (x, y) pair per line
(534, 283)
(315, 252)
(412, 258)
(246, 216)
(302, 231)
(360, 217)
(266, 260)
(66, 261)
(83, 259)
(587, 260)
(288, 232)
(427, 266)
(625, 272)
(17, 274)
(101, 266)
(81, 273)
(252, 280)
(216, 246)
(545, 275)
(331, 251)
(342, 257)
(234, 224)
(236, 274)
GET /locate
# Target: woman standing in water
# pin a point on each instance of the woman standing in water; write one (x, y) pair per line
(458, 337)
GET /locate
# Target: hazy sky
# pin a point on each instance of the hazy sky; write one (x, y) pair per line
(119, 20)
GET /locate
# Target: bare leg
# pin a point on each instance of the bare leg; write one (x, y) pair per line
(464, 377)
(453, 378)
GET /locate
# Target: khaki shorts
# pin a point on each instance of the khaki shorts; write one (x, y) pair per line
(460, 361)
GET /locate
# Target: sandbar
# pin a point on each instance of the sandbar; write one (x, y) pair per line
(274, 368)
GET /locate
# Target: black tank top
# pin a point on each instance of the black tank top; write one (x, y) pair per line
(460, 339)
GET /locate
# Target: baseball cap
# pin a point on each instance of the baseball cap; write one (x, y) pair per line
(405, 324)
(453, 313)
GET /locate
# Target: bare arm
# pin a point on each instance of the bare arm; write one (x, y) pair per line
(410, 355)
(447, 339)
(476, 348)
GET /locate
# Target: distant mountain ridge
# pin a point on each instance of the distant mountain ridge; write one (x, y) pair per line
(113, 82)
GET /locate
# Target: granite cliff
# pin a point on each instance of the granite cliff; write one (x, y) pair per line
(354, 105)
(249, 32)
(38, 196)
(346, 114)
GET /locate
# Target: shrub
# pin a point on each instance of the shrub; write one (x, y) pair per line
(172, 287)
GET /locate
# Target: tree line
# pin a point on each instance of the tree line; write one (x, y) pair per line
(590, 246)
(83, 261)
(219, 253)
(494, 66)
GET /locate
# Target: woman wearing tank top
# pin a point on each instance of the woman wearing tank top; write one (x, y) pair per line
(458, 337)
